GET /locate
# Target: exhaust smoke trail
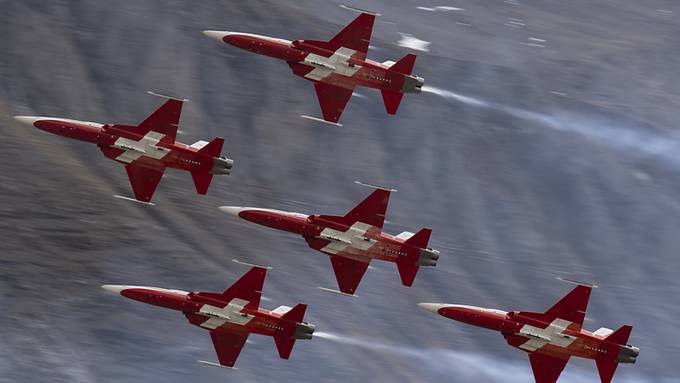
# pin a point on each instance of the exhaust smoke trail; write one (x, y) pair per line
(631, 137)
(467, 366)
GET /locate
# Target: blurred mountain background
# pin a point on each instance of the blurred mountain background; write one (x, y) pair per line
(546, 145)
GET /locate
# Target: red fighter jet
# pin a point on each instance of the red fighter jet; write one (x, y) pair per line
(352, 240)
(335, 66)
(147, 149)
(551, 338)
(230, 316)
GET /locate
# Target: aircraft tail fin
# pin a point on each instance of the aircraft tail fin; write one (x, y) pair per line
(213, 148)
(620, 336)
(296, 314)
(618, 351)
(286, 340)
(408, 264)
(405, 65)
(420, 239)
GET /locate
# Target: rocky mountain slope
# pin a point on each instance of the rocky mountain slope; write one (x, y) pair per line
(544, 146)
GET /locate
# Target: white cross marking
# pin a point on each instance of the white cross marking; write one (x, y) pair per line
(337, 63)
(146, 146)
(553, 334)
(353, 238)
(231, 313)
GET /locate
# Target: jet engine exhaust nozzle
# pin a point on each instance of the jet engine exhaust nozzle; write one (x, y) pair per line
(628, 354)
(222, 165)
(413, 84)
(304, 330)
(428, 257)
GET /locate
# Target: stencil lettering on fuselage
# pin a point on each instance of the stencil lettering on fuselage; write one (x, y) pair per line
(146, 146)
(353, 238)
(553, 335)
(337, 63)
(231, 313)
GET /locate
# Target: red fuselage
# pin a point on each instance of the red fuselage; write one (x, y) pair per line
(263, 322)
(358, 241)
(115, 141)
(305, 58)
(519, 329)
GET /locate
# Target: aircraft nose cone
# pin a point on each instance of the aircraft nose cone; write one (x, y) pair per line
(233, 210)
(217, 35)
(432, 307)
(116, 289)
(28, 120)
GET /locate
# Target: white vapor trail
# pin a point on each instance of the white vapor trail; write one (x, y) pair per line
(630, 137)
(467, 366)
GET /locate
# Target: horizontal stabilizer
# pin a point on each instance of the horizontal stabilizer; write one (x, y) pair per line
(281, 310)
(391, 100)
(409, 263)
(603, 332)
(404, 235)
(284, 343)
(199, 144)
(408, 268)
(202, 180)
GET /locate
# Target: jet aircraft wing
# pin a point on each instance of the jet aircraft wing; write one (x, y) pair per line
(228, 344)
(164, 121)
(547, 369)
(348, 272)
(355, 36)
(332, 100)
(571, 308)
(144, 180)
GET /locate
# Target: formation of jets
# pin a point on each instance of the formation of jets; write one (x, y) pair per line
(351, 241)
